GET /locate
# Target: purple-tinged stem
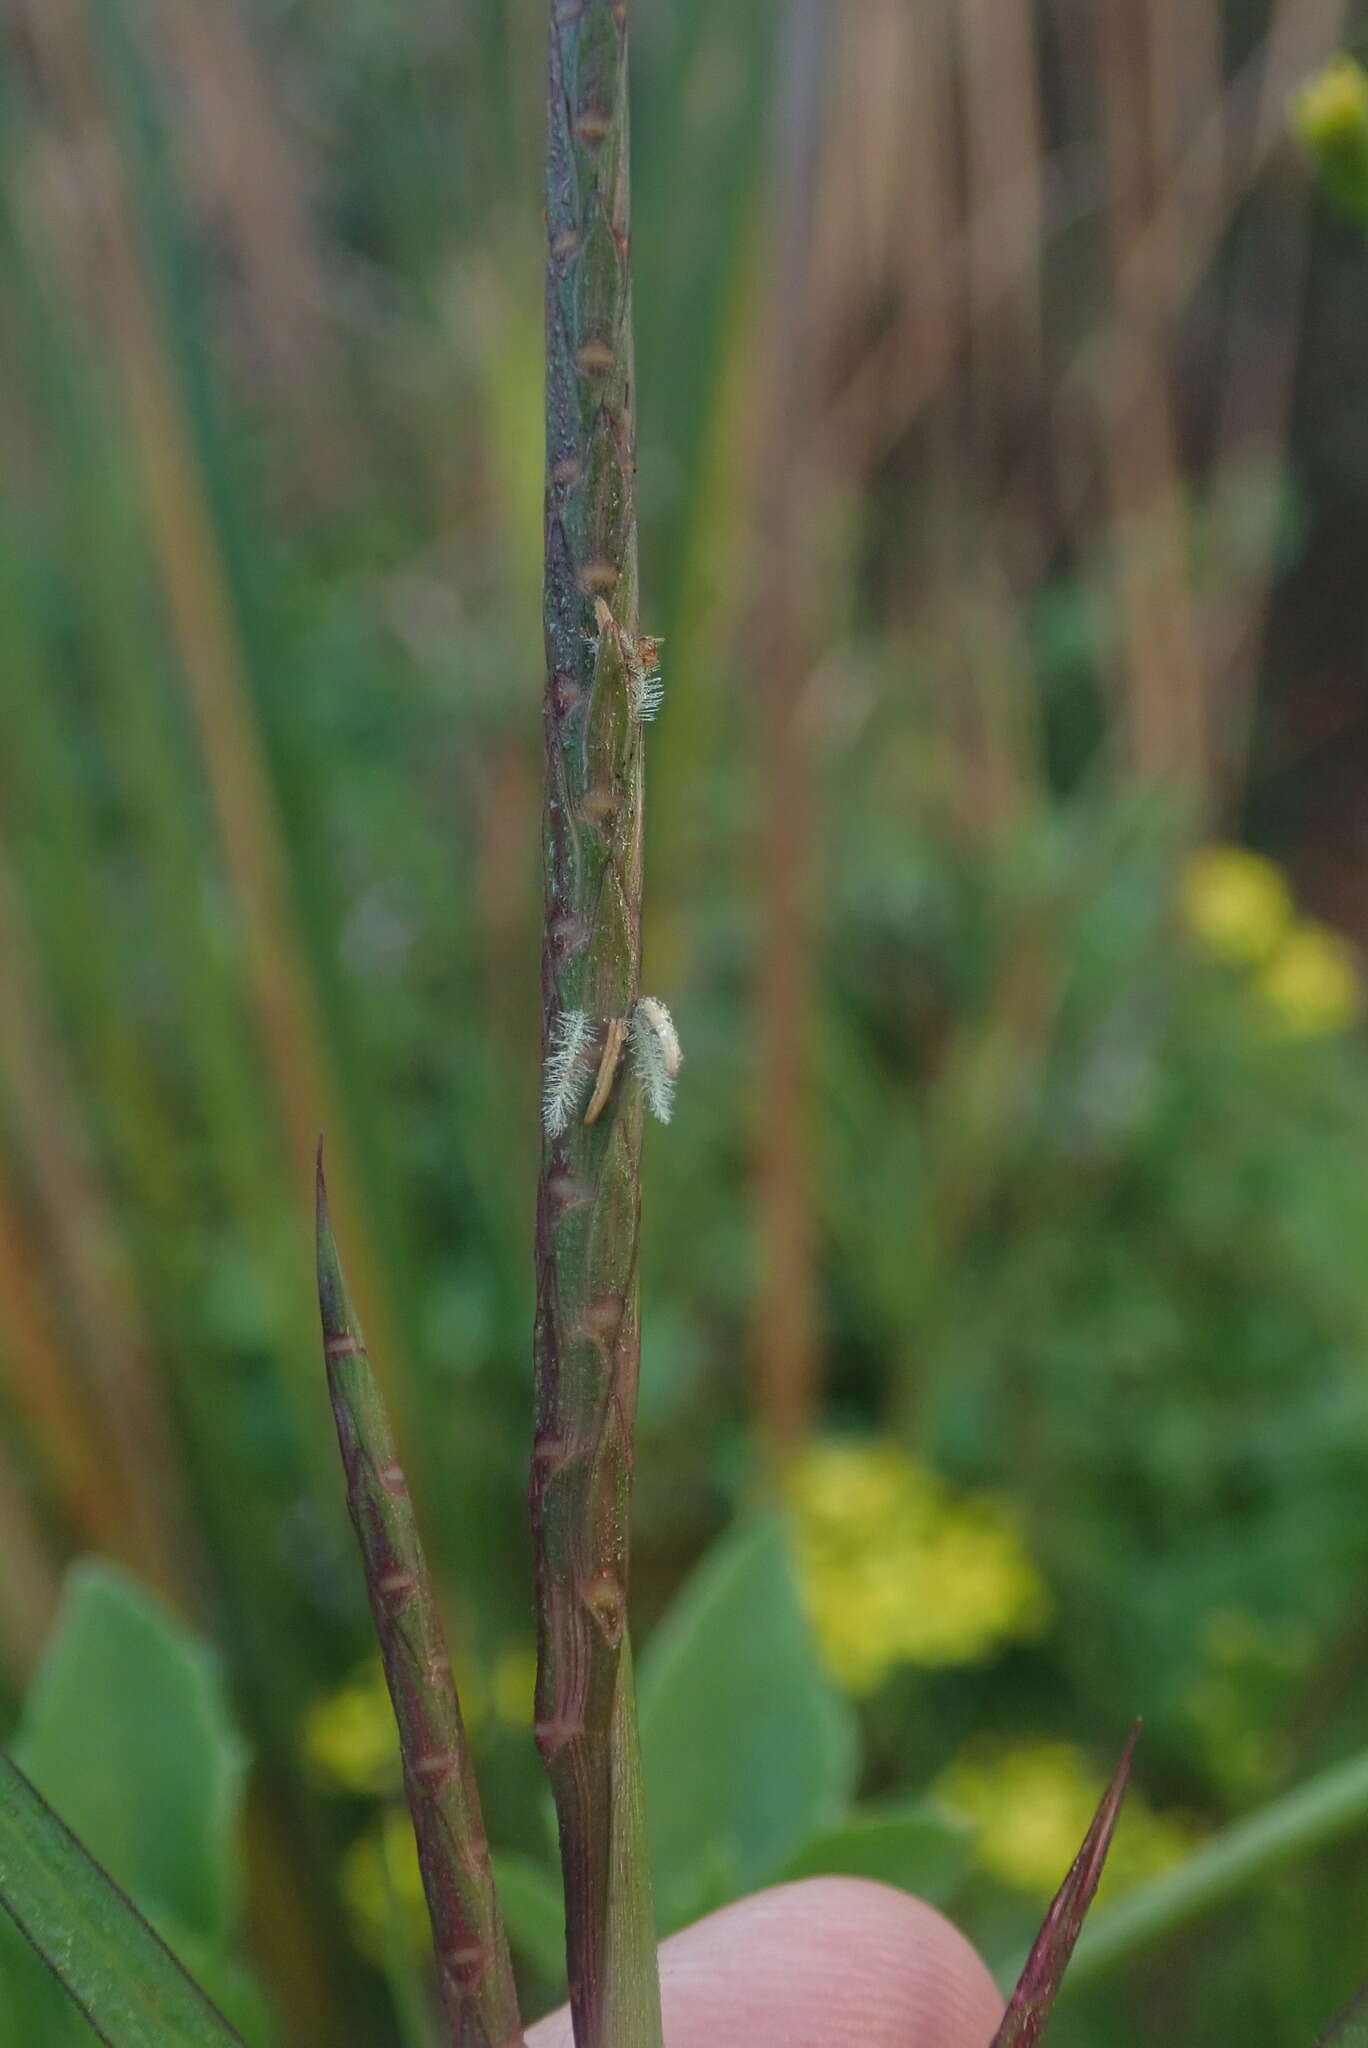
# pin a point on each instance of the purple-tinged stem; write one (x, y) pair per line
(1031, 2003)
(474, 1971)
(587, 1338)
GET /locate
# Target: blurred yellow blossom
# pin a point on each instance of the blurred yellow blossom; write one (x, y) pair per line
(1332, 108)
(383, 1887)
(1312, 982)
(1330, 113)
(350, 1738)
(1033, 1802)
(1236, 903)
(896, 1569)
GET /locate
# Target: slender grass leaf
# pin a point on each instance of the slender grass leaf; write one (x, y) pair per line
(1030, 2005)
(120, 1974)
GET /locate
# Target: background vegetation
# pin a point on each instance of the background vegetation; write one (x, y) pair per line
(1004, 456)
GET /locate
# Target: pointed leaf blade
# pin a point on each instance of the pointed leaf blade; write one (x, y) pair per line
(121, 1975)
(1031, 2003)
(475, 1972)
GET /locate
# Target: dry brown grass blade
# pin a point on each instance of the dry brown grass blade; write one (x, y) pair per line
(1164, 708)
(252, 191)
(80, 1221)
(1256, 403)
(207, 639)
(56, 1421)
(1183, 76)
(787, 1345)
(29, 1582)
(1005, 206)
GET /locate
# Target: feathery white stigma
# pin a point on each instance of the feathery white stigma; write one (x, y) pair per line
(656, 1055)
(640, 658)
(568, 1061)
(647, 686)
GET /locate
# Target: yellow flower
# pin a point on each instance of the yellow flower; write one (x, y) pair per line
(1312, 982)
(1235, 903)
(1332, 109)
(383, 1887)
(1033, 1803)
(894, 1569)
(350, 1737)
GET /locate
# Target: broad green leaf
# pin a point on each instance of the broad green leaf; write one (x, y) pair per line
(915, 1847)
(748, 1748)
(127, 1732)
(127, 1983)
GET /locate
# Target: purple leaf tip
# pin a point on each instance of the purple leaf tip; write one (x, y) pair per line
(1034, 1997)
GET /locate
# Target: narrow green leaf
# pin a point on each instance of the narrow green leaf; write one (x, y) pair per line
(748, 1748)
(121, 1975)
(915, 1847)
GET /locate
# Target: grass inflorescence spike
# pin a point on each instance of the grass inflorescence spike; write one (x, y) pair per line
(599, 695)
(474, 1970)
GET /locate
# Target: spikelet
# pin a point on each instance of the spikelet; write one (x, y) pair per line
(568, 1061)
(656, 1055)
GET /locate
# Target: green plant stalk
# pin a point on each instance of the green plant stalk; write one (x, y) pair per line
(587, 1339)
(1322, 1811)
(474, 1971)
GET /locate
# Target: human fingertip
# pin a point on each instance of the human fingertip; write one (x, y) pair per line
(829, 1962)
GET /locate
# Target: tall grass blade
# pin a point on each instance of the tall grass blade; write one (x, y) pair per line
(788, 1341)
(124, 1979)
(1031, 2003)
(475, 1974)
